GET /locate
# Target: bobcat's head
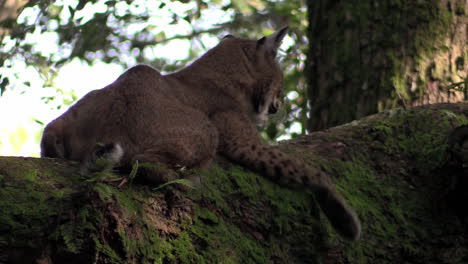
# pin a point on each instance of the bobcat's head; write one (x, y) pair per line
(259, 63)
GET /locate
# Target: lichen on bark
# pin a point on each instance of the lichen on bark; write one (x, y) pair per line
(366, 56)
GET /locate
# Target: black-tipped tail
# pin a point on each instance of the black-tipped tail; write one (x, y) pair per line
(340, 215)
(103, 158)
(112, 152)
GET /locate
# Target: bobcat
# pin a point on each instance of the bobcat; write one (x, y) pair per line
(187, 117)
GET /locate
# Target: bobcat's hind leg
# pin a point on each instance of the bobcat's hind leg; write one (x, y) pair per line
(154, 168)
(187, 141)
(159, 164)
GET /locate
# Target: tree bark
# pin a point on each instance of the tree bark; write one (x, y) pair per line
(369, 56)
(404, 171)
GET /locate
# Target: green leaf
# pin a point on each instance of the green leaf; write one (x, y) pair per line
(39, 122)
(3, 85)
(179, 181)
(134, 171)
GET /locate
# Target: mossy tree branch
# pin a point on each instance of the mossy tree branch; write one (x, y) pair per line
(401, 170)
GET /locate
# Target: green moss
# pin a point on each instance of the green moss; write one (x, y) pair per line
(388, 64)
(231, 242)
(28, 202)
(159, 249)
(382, 206)
(429, 46)
(400, 85)
(206, 215)
(254, 189)
(387, 205)
(24, 217)
(140, 240)
(30, 175)
(72, 236)
(226, 243)
(271, 223)
(149, 247)
(103, 190)
(407, 133)
(184, 250)
(105, 253)
(128, 201)
(33, 196)
(213, 188)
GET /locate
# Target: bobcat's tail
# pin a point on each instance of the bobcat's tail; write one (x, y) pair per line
(340, 215)
(104, 157)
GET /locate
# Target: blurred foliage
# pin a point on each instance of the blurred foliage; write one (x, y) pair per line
(129, 32)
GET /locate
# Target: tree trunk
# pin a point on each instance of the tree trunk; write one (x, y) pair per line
(404, 171)
(368, 56)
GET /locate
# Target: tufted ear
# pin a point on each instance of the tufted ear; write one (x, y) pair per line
(228, 36)
(273, 41)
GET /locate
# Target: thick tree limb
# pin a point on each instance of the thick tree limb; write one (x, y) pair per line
(404, 171)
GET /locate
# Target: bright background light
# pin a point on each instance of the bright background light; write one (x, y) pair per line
(23, 113)
(19, 132)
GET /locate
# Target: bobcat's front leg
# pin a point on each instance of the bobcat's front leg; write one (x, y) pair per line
(240, 142)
